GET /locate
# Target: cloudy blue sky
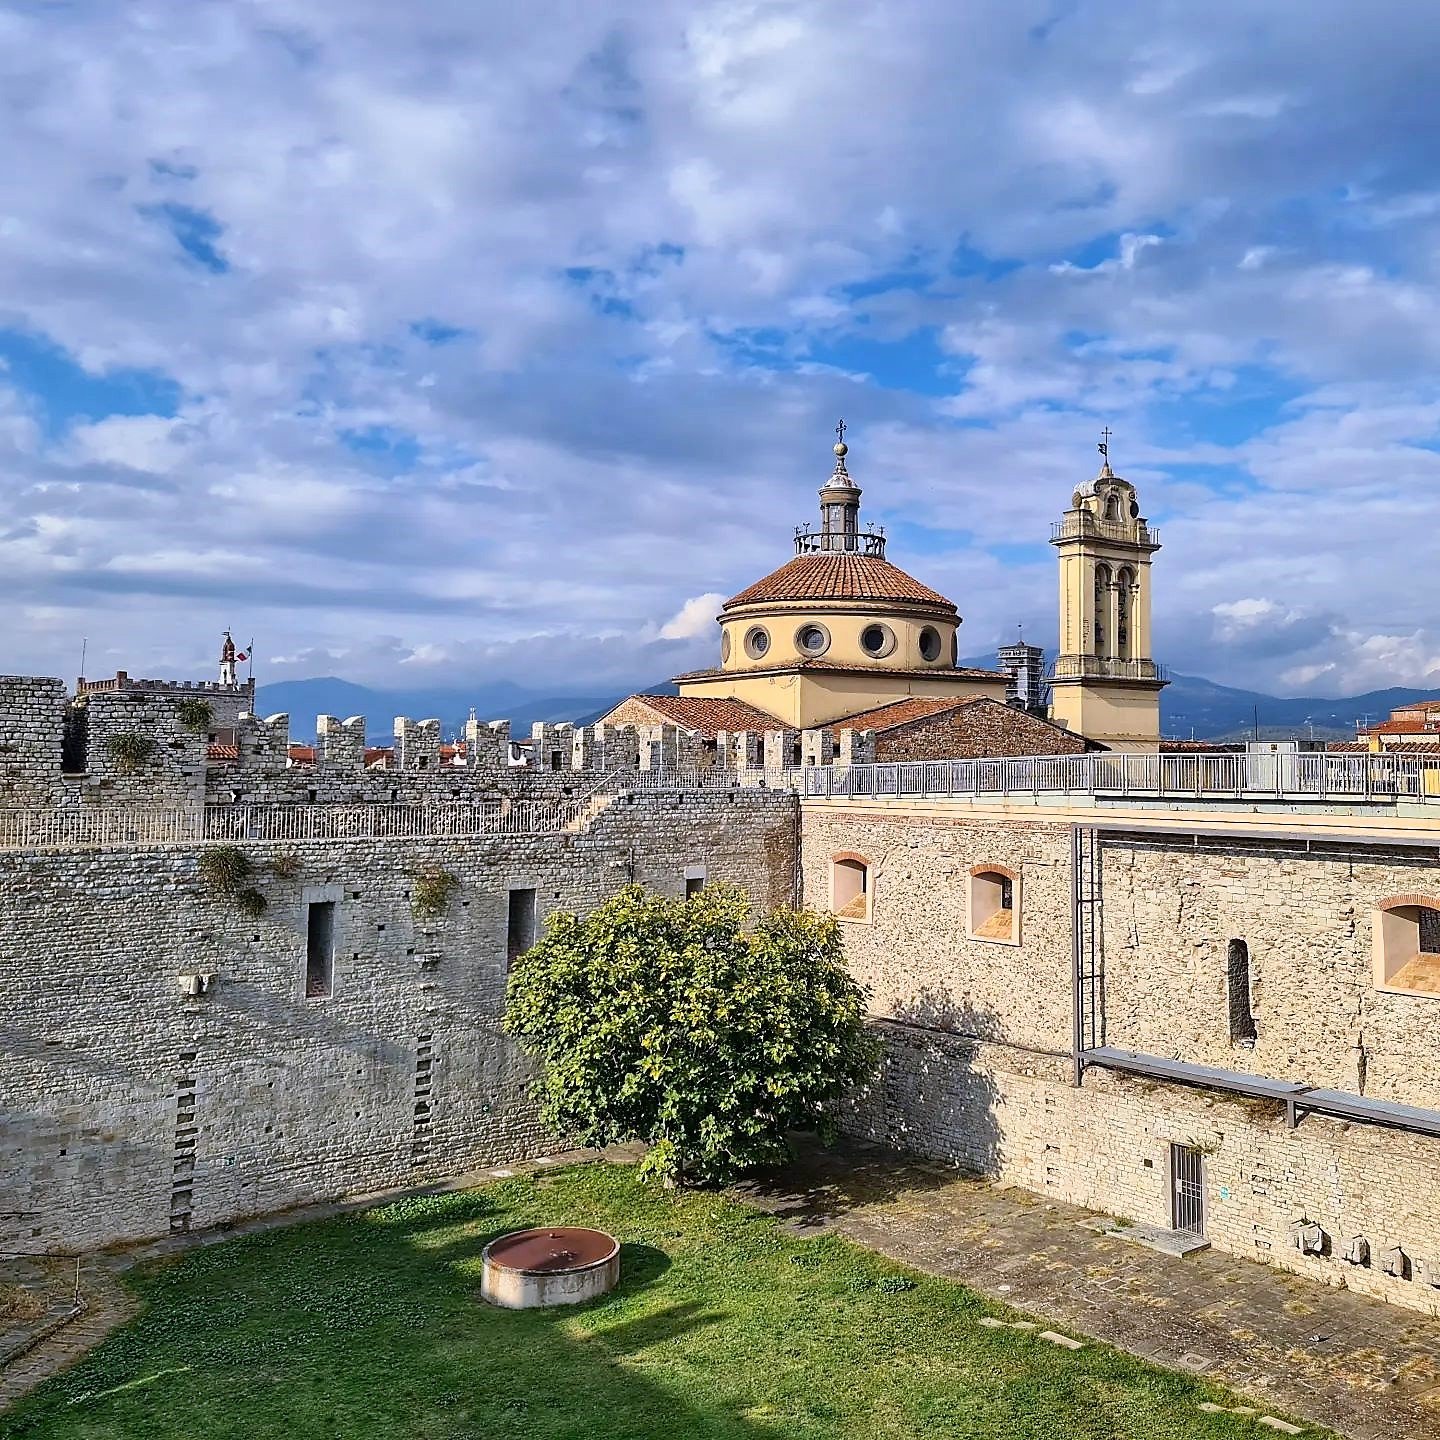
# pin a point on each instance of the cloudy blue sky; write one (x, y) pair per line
(466, 339)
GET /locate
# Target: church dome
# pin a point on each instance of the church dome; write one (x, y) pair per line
(839, 575)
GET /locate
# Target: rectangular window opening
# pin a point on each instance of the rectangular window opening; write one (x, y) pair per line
(319, 949)
(694, 884)
(1237, 982)
(520, 929)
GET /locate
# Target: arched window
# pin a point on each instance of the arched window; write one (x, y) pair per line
(994, 904)
(1102, 605)
(1112, 506)
(850, 887)
(1407, 944)
(1124, 587)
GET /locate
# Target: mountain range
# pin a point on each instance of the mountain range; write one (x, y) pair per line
(1189, 706)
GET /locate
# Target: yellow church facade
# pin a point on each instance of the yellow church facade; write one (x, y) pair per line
(840, 631)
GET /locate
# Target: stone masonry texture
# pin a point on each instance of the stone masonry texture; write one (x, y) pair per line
(131, 1109)
(162, 1067)
(977, 1033)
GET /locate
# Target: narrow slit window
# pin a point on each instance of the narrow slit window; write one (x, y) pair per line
(1237, 980)
(319, 949)
(520, 928)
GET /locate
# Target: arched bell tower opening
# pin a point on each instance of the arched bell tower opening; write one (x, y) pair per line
(1105, 685)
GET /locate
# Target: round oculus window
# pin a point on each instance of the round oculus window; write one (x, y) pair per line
(877, 641)
(930, 644)
(757, 642)
(812, 639)
(724, 646)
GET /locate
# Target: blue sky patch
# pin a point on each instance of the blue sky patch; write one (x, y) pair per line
(195, 232)
(64, 392)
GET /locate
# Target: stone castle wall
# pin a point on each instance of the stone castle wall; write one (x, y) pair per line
(1307, 920)
(978, 1054)
(131, 1108)
(1012, 1114)
(81, 753)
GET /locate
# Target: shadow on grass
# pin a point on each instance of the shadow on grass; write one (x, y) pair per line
(822, 1184)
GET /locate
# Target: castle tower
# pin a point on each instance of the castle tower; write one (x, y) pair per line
(227, 661)
(1105, 685)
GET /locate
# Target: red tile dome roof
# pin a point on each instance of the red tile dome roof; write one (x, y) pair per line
(839, 575)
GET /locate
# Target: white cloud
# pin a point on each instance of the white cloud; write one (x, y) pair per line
(696, 617)
(535, 323)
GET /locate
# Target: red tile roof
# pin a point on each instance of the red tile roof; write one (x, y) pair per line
(707, 715)
(901, 712)
(839, 576)
(222, 752)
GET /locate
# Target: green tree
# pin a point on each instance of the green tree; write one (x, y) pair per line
(676, 1023)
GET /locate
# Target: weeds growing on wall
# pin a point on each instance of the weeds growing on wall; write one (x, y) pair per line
(129, 750)
(250, 902)
(224, 869)
(195, 714)
(286, 865)
(431, 893)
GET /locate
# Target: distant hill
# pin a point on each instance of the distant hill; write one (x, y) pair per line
(1189, 705)
(1222, 712)
(1219, 711)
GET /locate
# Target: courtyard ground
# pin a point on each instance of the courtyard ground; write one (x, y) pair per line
(1369, 1370)
(727, 1325)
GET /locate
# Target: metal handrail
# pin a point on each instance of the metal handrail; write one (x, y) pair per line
(1282, 775)
(870, 541)
(1254, 775)
(1105, 667)
(1084, 526)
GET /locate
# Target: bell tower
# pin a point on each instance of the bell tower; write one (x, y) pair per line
(1105, 685)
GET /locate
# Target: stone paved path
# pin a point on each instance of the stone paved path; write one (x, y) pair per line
(1368, 1370)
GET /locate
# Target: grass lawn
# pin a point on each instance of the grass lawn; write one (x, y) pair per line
(724, 1326)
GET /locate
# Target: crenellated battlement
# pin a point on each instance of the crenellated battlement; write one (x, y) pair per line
(137, 745)
(121, 680)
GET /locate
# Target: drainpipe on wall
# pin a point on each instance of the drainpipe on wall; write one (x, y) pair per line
(1077, 909)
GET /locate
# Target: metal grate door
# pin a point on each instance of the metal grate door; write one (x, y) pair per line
(1187, 1189)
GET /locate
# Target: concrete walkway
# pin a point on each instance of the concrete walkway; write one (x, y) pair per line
(1368, 1370)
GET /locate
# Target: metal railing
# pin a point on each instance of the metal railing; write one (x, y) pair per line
(59, 829)
(870, 541)
(1281, 775)
(1345, 777)
(1105, 667)
(1085, 526)
(36, 829)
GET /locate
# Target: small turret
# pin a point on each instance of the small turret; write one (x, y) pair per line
(227, 661)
